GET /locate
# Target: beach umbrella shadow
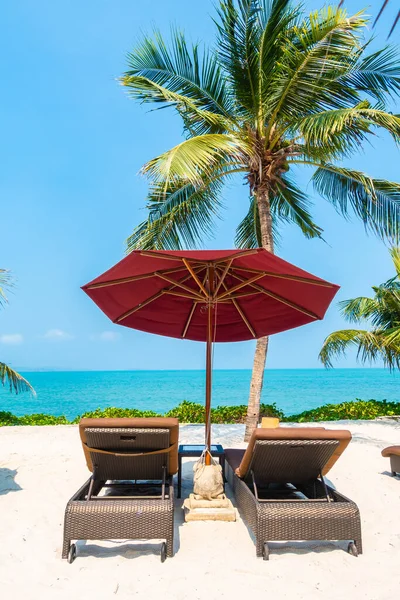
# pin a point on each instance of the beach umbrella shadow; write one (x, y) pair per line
(7, 481)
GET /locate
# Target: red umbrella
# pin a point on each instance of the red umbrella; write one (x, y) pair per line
(210, 296)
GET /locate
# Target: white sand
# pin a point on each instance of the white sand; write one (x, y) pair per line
(41, 467)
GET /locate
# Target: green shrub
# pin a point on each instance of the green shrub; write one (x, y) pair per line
(113, 412)
(41, 419)
(7, 418)
(190, 412)
(358, 409)
(271, 410)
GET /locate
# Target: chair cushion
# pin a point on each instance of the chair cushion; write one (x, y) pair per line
(295, 433)
(138, 422)
(391, 451)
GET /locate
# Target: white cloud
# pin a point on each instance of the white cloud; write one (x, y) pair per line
(57, 334)
(12, 339)
(106, 336)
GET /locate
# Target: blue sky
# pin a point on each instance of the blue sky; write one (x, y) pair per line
(72, 146)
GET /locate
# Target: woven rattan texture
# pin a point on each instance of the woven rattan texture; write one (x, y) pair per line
(128, 440)
(295, 461)
(119, 519)
(297, 520)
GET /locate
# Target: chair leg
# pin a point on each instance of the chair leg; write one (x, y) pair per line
(170, 538)
(65, 548)
(259, 547)
(358, 544)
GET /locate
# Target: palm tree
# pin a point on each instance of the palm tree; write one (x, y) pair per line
(380, 13)
(16, 382)
(280, 90)
(397, 19)
(383, 312)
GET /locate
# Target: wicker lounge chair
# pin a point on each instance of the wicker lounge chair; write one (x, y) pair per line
(393, 452)
(130, 494)
(280, 490)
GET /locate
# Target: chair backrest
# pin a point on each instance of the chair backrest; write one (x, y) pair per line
(292, 454)
(130, 448)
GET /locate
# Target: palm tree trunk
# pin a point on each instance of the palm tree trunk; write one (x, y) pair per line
(257, 377)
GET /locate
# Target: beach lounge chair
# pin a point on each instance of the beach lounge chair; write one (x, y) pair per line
(393, 452)
(279, 487)
(130, 494)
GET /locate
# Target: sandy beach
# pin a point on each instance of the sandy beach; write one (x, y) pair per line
(41, 467)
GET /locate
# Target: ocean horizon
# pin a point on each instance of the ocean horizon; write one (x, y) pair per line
(71, 393)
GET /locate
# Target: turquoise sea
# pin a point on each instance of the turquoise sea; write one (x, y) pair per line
(293, 390)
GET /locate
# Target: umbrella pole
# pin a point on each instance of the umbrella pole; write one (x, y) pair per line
(209, 363)
(208, 398)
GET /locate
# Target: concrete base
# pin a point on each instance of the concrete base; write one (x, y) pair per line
(209, 513)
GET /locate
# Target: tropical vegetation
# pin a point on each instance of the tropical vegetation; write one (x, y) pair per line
(191, 412)
(380, 13)
(8, 376)
(359, 409)
(382, 311)
(280, 91)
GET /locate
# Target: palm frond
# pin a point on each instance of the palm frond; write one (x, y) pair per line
(238, 45)
(14, 380)
(358, 309)
(318, 54)
(194, 158)
(277, 18)
(377, 74)
(383, 311)
(342, 131)
(197, 119)
(181, 215)
(370, 347)
(375, 201)
(384, 5)
(248, 232)
(395, 254)
(6, 283)
(183, 70)
(291, 205)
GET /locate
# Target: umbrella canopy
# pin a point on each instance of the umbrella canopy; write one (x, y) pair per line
(210, 296)
(252, 292)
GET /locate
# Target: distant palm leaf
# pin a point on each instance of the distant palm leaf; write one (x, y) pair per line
(15, 381)
(383, 311)
(6, 283)
(384, 5)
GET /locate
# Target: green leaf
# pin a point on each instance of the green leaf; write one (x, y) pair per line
(248, 232)
(341, 132)
(195, 158)
(15, 381)
(377, 74)
(6, 283)
(181, 215)
(375, 201)
(369, 346)
(182, 70)
(291, 205)
(383, 312)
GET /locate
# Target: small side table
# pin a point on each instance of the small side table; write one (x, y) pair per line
(196, 450)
